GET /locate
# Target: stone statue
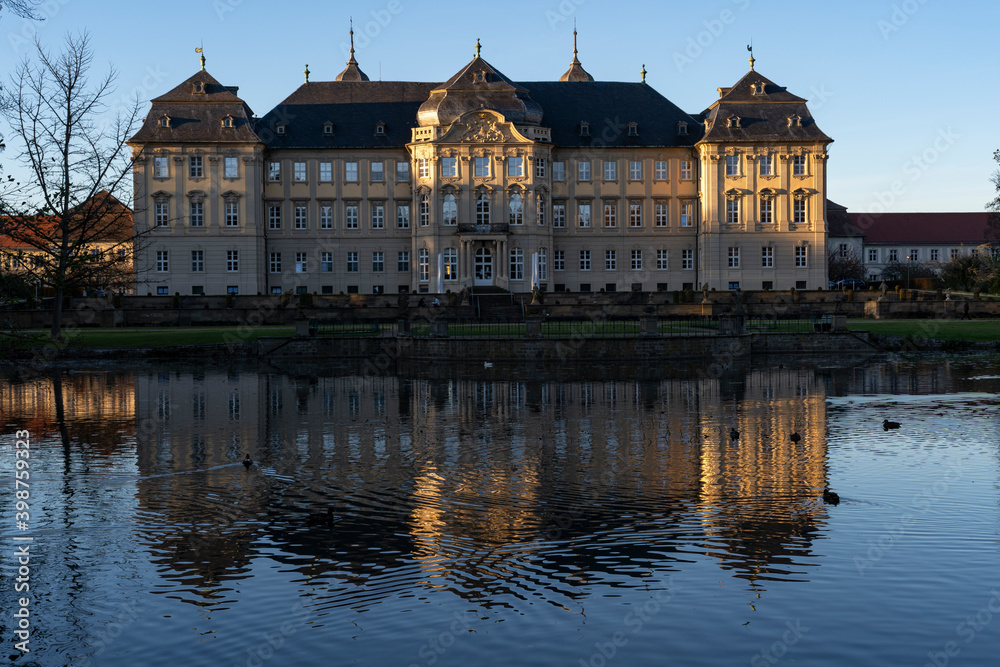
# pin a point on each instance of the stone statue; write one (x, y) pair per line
(883, 288)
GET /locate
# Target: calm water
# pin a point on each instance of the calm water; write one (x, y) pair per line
(505, 516)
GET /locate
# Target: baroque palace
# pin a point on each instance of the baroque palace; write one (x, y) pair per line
(361, 186)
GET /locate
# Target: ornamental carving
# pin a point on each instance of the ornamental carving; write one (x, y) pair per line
(483, 129)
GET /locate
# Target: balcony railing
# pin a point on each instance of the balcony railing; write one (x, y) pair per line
(495, 228)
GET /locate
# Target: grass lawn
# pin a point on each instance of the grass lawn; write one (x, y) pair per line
(964, 330)
(162, 337)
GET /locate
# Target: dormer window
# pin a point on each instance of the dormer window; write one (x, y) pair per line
(758, 88)
(633, 129)
(734, 122)
(584, 129)
(795, 121)
(380, 129)
(280, 128)
(682, 128)
(328, 129)
(164, 121)
(227, 121)
(198, 87)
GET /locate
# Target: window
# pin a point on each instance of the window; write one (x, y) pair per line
(635, 214)
(483, 209)
(540, 210)
(516, 264)
(378, 216)
(449, 167)
(842, 250)
(425, 210)
(423, 168)
(799, 165)
(162, 261)
(635, 170)
(161, 213)
(352, 261)
(766, 163)
(326, 216)
(403, 261)
(583, 170)
(301, 262)
(301, 217)
(799, 211)
(558, 260)
(558, 171)
(274, 216)
(481, 167)
(732, 165)
(351, 172)
(893, 255)
(449, 210)
(326, 262)
(935, 255)
(585, 260)
(378, 261)
(402, 216)
(766, 214)
(584, 129)
(402, 172)
(232, 213)
(687, 260)
(732, 211)
(232, 261)
(274, 262)
(274, 172)
(610, 214)
(197, 261)
(351, 216)
(800, 257)
(160, 167)
(299, 172)
(516, 209)
(195, 167)
(637, 260)
(687, 172)
(734, 258)
(232, 289)
(543, 264)
(661, 214)
(540, 167)
(325, 172)
(661, 170)
(515, 167)
(610, 170)
(423, 265)
(955, 253)
(633, 129)
(197, 211)
(559, 215)
(766, 257)
(377, 171)
(873, 254)
(662, 260)
(162, 291)
(584, 214)
(610, 260)
(450, 264)
(914, 255)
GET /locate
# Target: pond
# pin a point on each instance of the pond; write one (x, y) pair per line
(507, 515)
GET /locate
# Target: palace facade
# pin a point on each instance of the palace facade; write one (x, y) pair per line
(361, 186)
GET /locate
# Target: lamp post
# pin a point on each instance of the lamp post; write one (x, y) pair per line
(908, 272)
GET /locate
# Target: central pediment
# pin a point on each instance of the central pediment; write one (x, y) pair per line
(483, 127)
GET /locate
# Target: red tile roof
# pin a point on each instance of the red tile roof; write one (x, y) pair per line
(945, 228)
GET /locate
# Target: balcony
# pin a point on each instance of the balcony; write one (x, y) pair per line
(492, 229)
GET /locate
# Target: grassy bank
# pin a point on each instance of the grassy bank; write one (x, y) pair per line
(954, 330)
(126, 338)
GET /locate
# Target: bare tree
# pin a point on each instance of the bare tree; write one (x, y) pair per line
(72, 212)
(23, 8)
(845, 266)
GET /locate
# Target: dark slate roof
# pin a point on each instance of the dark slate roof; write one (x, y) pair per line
(355, 107)
(838, 221)
(479, 85)
(763, 117)
(968, 228)
(197, 117)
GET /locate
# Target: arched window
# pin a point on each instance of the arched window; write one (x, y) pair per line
(516, 209)
(483, 209)
(449, 210)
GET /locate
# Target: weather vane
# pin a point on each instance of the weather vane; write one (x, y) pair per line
(750, 49)
(201, 50)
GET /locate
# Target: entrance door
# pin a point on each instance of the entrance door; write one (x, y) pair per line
(484, 268)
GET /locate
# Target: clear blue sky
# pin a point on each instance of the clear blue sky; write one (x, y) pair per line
(907, 88)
